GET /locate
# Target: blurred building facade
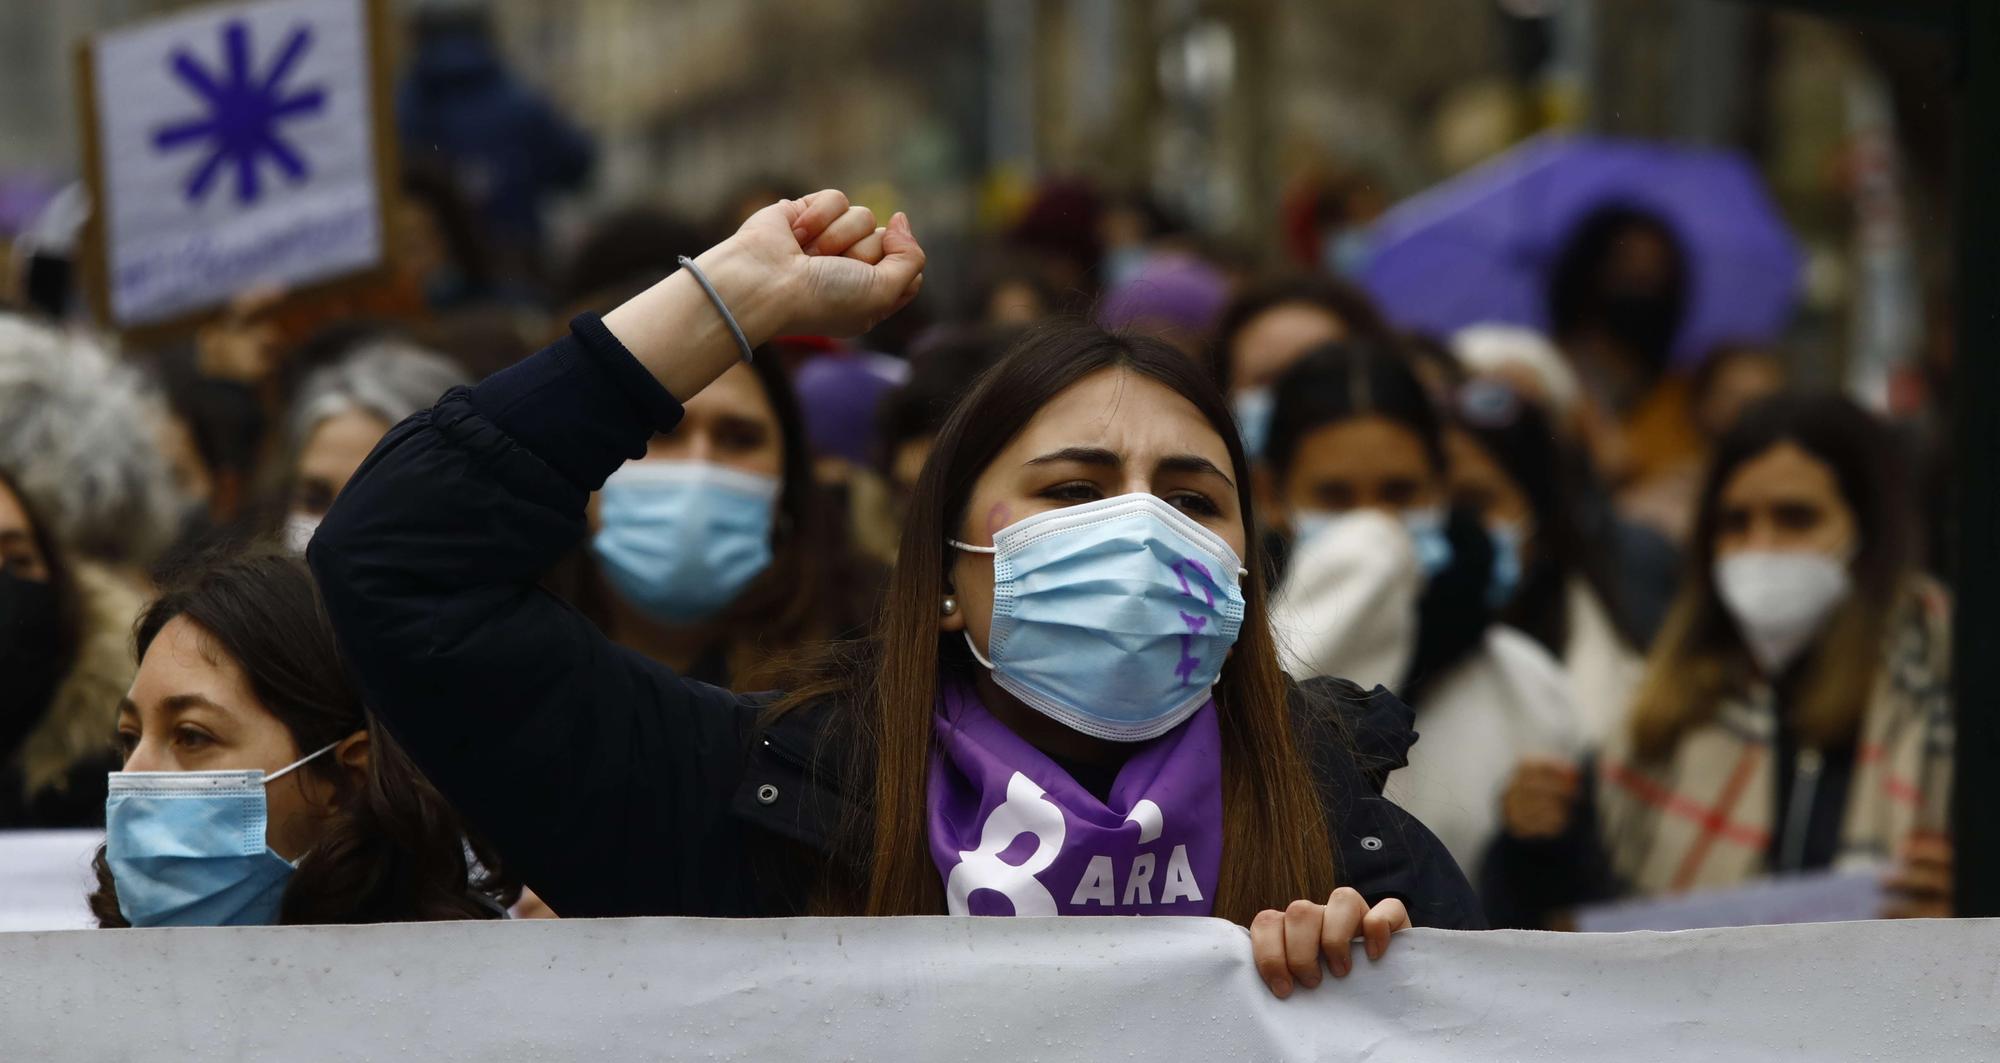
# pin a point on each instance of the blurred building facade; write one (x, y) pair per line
(1215, 107)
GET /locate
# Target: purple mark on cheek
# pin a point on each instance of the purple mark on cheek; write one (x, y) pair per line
(998, 517)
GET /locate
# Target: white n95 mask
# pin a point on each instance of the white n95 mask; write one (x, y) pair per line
(1780, 600)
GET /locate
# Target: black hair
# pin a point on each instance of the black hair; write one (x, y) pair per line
(628, 246)
(1350, 305)
(943, 367)
(431, 186)
(1344, 380)
(1517, 435)
(1576, 282)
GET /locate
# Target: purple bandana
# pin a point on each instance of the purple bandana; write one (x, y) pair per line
(1013, 834)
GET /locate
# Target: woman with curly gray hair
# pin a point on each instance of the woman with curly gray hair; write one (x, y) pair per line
(87, 503)
(83, 433)
(342, 410)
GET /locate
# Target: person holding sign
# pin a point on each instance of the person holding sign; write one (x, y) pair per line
(1070, 702)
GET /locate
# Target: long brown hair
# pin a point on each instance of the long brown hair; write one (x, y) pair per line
(1276, 849)
(392, 850)
(1699, 659)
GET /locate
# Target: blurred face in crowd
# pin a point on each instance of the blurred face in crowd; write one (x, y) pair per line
(1367, 462)
(337, 446)
(729, 423)
(1641, 260)
(1479, 484)
(423, 248)
(1015, 302)
(1784, 500)
(191, 708)
(1735, 385)
(1114, 432)
(20, 556)
(1272, 341)
(191, 473)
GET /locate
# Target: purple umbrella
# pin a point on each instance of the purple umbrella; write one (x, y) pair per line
(1480, 247)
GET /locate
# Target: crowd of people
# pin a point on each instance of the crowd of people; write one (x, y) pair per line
(1127, 588)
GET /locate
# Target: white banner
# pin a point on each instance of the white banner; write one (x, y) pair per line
(990, 989)
(236, 148)
(45, 877)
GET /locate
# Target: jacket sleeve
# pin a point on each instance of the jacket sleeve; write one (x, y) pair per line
(599, 775)
(1527, 884)
(1354, 739)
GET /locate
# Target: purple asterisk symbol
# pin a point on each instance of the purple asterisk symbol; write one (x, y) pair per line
(244, 113)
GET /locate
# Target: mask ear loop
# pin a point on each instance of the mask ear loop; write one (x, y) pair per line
(976, 655)
(295, 765)
(969, 548)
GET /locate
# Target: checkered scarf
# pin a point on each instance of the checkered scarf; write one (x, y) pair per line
(1702, 819)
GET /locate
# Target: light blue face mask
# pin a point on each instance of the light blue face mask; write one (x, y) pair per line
(1113, 617)
(187, 848)
(1426, 528)
(1505, 578)
(680, 540)
(1253, 408)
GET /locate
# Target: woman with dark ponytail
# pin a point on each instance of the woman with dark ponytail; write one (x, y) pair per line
(256, 790)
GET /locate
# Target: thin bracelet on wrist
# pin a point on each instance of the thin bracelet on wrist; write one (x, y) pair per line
(742, 341)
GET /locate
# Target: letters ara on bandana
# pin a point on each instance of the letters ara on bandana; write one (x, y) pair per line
(1013, 834)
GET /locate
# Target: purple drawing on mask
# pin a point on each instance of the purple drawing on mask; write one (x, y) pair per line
(1180, 571)
(1186, 666)
(1189, 662)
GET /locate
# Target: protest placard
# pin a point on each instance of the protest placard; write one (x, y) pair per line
(234, 147)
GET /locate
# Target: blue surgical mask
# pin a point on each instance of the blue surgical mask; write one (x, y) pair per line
(680, 540)
(187, 848)
(1111, 618)
(1253, 408)
(1505, 578)
(1427, 532)
(1345, 252)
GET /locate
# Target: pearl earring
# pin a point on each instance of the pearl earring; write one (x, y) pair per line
(950, 605)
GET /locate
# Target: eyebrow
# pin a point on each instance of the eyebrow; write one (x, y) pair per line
(177, 704)
(172, 706)
(1193, 463)
(1080, 455)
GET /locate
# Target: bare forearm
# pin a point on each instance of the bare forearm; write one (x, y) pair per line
(677, 333)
